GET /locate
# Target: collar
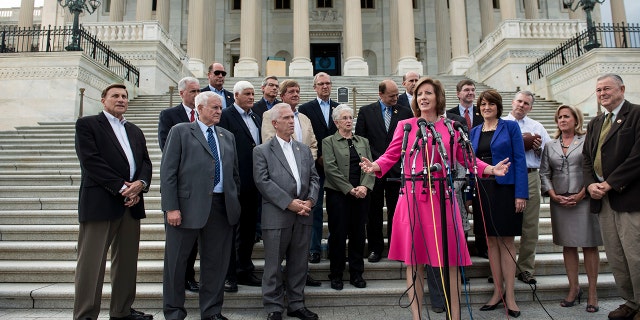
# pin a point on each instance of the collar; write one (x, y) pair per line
(111, 117)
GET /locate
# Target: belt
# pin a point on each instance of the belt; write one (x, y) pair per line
(529, 170)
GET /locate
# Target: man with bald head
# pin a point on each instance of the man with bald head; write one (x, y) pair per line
(409, 81)
(377, 122)
(216, 76)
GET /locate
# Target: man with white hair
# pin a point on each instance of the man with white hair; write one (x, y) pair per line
(245, 125)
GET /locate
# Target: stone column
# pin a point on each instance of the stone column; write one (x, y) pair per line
(486, 17)
(459, 39)
(507, 9)
(162, 14)
(195, 37)
(531, 10)
(407, 46)
(354, 64)
(618, 16)
(394, 33)
(247, 65)
(578, 14)
(143, 10)
(300, 65)
(52, 14)
(259, 47)
(443, 36)
(25, 17)
(209, 36)
(116, 11)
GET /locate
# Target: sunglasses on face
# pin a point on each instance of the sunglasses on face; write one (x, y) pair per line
(220, 72)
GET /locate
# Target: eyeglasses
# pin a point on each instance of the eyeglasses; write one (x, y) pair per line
(220, 72)
(322, 84)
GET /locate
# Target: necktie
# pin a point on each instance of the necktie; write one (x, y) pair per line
(468, 118)
(193, 116)
(606, 126)
(387, 117)
(216, 158)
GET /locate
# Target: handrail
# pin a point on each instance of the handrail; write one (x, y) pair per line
(55, 39)
(619, 35)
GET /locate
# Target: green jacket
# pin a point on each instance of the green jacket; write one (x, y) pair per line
(335, 152)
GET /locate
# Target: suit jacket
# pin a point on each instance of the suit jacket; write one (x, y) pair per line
(620, 155)
(337, 162)
(275, 181)
(308, 138)
(507, 142)
(228, 95)
(260, 107)
(370, 125)
(320, 128)
(232, 121)
(105, 168)
(187, 171)
(477, 117)
(559, 172)
(403, 100)
(168, 118)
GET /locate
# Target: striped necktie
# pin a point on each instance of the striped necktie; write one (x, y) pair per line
(387, 118)
(216, 158)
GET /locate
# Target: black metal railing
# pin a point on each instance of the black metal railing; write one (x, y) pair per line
(56, 39)
(606, 36)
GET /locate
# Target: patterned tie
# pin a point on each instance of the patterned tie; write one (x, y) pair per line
(387, 118)
(468, 118)
(193, 116)
(216, 159)
(606, 126)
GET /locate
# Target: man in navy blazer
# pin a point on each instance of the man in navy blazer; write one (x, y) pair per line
(409, 81)
(189, 87)
(319, 111)
(371, 125)
(216, 75)
(245, 126)
(116, 170)
(270, 87)
(199, 182)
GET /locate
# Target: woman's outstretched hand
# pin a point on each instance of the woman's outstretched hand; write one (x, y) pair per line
(369, 167)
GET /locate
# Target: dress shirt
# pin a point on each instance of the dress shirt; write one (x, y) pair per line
(121, 133)
(247, 117)
(383, 108)
(325, 106)
(269, 104)
(462, 109)
(297, 129)
(409, 98)
(221, 94)
(203, 127)
(529, 125)
(188, 111)
(287, 149)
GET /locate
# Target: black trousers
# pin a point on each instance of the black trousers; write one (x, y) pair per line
(382, 190)
(244, 236)
(347, 218)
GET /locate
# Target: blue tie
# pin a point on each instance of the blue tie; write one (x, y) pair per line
(216, 158)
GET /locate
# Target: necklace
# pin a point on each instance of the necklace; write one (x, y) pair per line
(489, 128)
(562, 144)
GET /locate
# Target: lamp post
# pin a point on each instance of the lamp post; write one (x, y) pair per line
(588, 6)
(76, 7)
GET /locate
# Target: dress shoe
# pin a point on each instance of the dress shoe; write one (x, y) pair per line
(249, 279)
(277, 315)
(513, 313)
(489, 307)
(357, 281)
(437, 309)
(311, 282)
(218, 316)
(567, 304)
(622, 313)
(336, 284)
(304, 314)
(134, 315)
(314, 257)
(374, 257)
(192, 285)
(230, 286)
(527, 277)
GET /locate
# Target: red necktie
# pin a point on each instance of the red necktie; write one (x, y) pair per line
(466, 117)
(193, 115)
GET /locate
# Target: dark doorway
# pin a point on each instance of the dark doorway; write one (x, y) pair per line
(326, 57)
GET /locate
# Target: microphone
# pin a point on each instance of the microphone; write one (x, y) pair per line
(435, 167)
(438, 138)
(447, 122)
(422, 123)
(416, 143)
(405, 137)
(463, 132)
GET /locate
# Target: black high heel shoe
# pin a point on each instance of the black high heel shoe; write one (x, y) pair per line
(489, 307)
(567, 304)
(513, 313)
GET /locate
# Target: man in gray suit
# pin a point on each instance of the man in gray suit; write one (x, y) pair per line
(199, 182)
(285, 175)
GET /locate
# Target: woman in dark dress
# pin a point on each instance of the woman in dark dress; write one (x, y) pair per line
(500, 201)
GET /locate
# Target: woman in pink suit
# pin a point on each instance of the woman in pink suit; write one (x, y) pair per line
(416, 237)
